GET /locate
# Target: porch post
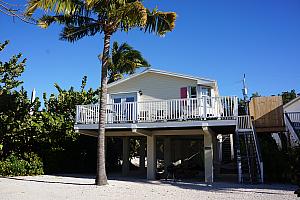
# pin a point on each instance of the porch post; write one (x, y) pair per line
(167, 152)
(142, 154)
(151, 157)
(208, 155)
(125, 164)
(216, 156)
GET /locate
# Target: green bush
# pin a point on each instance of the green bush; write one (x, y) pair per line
(27, 165)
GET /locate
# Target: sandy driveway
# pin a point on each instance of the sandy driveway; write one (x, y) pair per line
(67, 187)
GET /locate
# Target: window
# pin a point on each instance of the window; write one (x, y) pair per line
(206, 92)
(193, 92)
(117, 100)
(129, 99)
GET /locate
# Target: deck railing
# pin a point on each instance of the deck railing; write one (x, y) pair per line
(294, 116)
(164, 110)
(244, 122)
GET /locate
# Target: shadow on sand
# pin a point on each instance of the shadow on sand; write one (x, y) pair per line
(222, 187)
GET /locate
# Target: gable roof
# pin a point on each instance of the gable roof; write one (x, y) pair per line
(291, 102)
(150, 70)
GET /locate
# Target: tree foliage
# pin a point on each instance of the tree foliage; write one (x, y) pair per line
(10, 71)
(16, 122)
(288, 96)
(25, 126)
(124, 60)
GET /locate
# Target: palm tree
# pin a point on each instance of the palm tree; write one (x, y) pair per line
(82, 18)
(124, 60)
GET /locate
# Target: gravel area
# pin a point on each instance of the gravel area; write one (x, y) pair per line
(82, 187)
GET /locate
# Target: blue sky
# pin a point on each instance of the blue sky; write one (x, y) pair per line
(217, 39)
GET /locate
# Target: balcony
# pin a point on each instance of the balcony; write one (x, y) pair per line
(175, 110)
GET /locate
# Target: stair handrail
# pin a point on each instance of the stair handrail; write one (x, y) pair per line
(245, 122)
(258, 153)
(286, 114)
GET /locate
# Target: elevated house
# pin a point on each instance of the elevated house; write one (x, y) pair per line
(178, 118)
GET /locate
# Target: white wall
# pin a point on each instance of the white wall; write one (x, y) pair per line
(294, 107)
(154, 86)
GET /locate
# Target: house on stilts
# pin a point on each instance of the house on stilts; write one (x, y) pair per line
(178, 117)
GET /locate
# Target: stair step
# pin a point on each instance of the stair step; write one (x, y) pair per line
(247, 156)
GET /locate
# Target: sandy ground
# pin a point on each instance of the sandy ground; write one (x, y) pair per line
(81, 187)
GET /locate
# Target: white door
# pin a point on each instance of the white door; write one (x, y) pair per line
(125, 107)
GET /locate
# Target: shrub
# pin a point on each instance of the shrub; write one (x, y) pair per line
(27, 165)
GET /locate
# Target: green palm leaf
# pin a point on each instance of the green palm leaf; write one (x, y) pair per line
(160, 22)
(74, 33)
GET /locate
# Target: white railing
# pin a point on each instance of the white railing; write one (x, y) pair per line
(244, 122)
(164, 110)
(294, 116)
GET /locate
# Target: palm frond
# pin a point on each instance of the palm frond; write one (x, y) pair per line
(68, 20)
(74, 33)
(57, 6)
(160, 22)
(130, 15)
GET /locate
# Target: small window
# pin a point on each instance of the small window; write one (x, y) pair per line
(117, 100)
(206, 92)
(193, 92)
(129, 99)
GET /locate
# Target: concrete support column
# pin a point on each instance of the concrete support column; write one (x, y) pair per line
(216, 160)
(151, 157)
(208, 155)
(167, 152)
(142, 154)
(125, 164)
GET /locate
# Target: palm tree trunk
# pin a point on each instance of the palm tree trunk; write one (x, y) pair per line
(101, 178)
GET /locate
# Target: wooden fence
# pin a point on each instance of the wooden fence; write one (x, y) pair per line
(267, 113)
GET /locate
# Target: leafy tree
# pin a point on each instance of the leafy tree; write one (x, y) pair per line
(58, 119)
(10, 71)
(65, 102)
(17, 112)
(124, 60)
(288, 96)
(255, 94)
(87, 18)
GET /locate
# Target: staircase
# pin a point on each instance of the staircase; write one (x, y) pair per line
(249, 162)
(226, 149)
(292, 122)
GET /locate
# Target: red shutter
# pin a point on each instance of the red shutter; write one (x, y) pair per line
(183, 92)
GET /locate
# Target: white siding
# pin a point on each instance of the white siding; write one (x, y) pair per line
(154, 86)
(294, 107)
